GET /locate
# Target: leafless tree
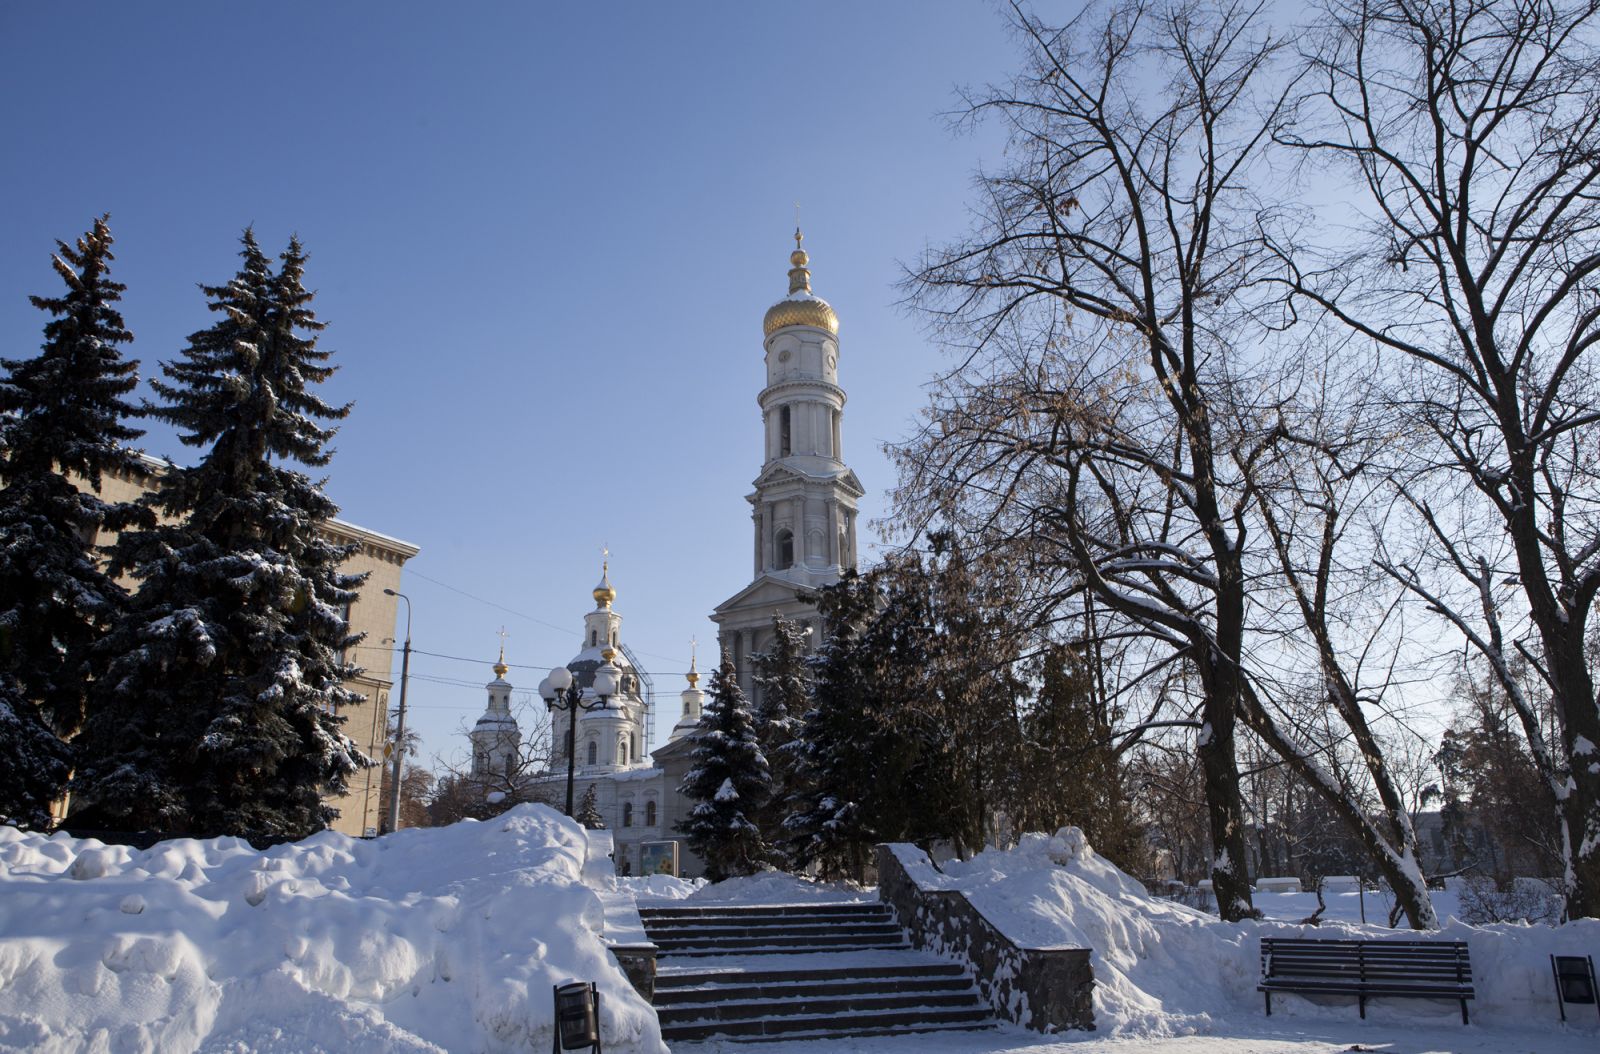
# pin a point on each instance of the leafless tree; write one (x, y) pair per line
(1121, 418)
(1126, 209)
(1472, 130)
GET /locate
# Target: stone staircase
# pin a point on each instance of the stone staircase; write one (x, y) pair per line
(756, 972)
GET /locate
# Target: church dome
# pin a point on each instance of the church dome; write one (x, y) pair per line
(802, 310)
(604, 594)
(801, 307)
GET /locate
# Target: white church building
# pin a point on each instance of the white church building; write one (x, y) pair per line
(803, 511)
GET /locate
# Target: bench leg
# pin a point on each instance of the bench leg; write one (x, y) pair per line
(1269, 1002)
(1464, 1012)
(1363, 1001)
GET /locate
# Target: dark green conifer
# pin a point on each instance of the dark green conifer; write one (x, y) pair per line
(729, 783)
(219, 712)
(63, 426)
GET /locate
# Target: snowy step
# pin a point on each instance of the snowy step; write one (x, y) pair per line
(818, 966)
(672, 909)
(833, 1025)
(754, 972)
(731, 928)
(764, 922)
(720, 950)
(836, 1034)
(888, 935)
(786, 987)
(829, 1007)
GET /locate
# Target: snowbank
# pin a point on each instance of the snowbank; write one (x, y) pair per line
(421, 941)
(1162, 969)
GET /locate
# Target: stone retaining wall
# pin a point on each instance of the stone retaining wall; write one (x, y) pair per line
(1044, 989)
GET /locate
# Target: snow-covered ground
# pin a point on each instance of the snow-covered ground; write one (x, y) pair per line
(1167, 972)
(450, 940)
(1242, 1037)
(422, 941)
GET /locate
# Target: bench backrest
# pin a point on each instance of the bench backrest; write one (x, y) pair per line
(1366, 960)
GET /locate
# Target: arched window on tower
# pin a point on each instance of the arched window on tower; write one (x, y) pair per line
(784, 443)
(785, 549)
(594, 751)
(622, 751)
(650, 813)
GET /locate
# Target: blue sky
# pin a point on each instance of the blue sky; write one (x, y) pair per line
(543, 236)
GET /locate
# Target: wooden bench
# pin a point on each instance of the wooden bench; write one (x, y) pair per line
(1420, 969)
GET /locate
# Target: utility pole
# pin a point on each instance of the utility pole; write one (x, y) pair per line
(400, 723)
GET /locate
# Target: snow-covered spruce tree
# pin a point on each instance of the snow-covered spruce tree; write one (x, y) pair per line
(784, 681)
(729, 783)
(836, 753)
(62, 416)
(589, 811)
(217, 713)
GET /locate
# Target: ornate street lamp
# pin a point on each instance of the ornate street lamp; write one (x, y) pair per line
(560, 691)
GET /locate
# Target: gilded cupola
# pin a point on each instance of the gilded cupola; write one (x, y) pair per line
(801, 307)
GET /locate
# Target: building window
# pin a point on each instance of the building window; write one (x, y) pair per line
(785, 549)
(594, 638)
(594, 751)
(783, 432)
(627, 811)
(650, 813)
(622, 751)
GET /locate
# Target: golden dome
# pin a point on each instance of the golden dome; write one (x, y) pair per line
(801, 307)
(500, 667)
(812, 311)
(603, 593)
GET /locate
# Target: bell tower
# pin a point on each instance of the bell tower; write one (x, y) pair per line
(803, 508)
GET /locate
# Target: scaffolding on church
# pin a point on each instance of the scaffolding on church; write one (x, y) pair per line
(648, 694)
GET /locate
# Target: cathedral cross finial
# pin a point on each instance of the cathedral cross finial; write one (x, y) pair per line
(500, 667)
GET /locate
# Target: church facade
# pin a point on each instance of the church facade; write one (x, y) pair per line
(803, 516)
(635, 792)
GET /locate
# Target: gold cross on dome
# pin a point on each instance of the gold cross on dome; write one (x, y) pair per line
(502, 634)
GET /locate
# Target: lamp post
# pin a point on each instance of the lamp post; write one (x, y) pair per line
(561, 692)
(400, 724)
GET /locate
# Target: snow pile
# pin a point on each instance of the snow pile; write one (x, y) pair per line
(422, 941)
(659, 887)
(1162, 969)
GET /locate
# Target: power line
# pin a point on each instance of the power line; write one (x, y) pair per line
(520, 614)
(490, 662)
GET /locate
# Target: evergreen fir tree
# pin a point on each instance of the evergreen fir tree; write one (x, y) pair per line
(784, 681)
(218, 712)
(729, 783)
(589, 811)
(1074, 774)
(62, 416)
(841, 745)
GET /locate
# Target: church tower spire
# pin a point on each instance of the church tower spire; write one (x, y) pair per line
(805, 499)
(803, 508)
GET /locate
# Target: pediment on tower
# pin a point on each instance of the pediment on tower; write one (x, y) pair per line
(768, 591)
(781, 472)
